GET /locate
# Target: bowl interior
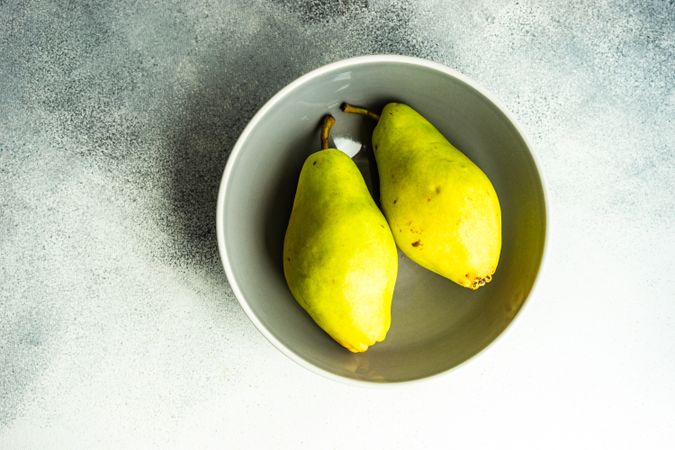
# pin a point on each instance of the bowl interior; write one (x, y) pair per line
(436, 324)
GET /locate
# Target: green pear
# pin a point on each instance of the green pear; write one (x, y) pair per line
(340, 258)
(441, 207)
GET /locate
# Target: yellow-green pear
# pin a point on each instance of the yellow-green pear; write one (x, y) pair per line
(441, 207)
(340, 258)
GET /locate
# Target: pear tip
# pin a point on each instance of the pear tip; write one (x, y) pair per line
(327, 120)
(479, 282)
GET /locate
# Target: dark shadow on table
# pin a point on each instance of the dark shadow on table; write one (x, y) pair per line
(232, 88)
(235, 81)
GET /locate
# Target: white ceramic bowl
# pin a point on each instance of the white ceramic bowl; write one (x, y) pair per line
(436, 324)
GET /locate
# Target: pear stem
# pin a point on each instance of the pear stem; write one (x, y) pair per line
(326, 124)
(346, 107)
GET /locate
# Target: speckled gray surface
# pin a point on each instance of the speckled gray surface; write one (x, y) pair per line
(117, 326)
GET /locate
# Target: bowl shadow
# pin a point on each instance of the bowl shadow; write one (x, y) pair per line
(231, 85)
(201, 138)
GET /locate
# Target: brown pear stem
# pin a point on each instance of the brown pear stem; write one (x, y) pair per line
(346, 107)
(326, 124)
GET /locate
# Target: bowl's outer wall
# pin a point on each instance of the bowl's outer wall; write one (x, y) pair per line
(436, 324)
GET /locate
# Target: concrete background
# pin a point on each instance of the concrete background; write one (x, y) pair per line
(117, 325)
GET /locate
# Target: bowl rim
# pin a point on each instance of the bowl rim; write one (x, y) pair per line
(236, 150)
